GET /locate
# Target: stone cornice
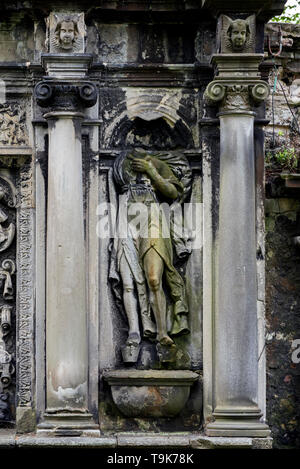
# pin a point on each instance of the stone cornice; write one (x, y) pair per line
(151, 377)
(167, 75)
(264, 9)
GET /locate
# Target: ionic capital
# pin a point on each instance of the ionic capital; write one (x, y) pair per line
(240, 96)
(64, 96)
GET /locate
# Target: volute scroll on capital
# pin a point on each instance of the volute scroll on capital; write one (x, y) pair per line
(65, 96)
(240, 96)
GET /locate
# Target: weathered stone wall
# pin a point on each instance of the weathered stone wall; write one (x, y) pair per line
(283, 321)
(282, 256)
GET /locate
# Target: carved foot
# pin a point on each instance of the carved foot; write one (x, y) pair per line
(130, 353)
(134, 338)
(149, 330)
(165, 340)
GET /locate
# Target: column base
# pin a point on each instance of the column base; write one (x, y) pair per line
(238, 427)
(68, 424)
(241, 421)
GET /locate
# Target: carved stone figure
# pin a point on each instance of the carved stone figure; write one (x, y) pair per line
(6, 234)
(66, 32)
(237, 35)
(12, 125)
(142, 259)
(7, 270)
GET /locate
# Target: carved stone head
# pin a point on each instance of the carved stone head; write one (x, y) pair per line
(238, 32)
(237, 35)
(66, 32)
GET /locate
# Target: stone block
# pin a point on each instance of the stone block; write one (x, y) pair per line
(25, 420)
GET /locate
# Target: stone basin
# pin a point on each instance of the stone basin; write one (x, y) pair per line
(150, 393)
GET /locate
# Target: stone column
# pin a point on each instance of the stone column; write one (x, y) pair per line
(235, 364)
(66, 305)
(66, 335)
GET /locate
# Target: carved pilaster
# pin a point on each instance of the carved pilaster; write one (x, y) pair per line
(25, 416)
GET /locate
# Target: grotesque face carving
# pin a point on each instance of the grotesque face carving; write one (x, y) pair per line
(66, 33)
(238, 33)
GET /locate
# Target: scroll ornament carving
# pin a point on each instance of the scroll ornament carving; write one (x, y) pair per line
(6, 233)
(8, 268)
(65, 96)
(236, 97)
(6, 367)
(237, 35)
(65, 33)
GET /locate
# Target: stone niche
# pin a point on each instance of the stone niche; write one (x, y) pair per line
(152, 379)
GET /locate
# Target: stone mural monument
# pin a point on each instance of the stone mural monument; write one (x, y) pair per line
(132, 295)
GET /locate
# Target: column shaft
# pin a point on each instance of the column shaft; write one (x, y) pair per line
(66, 328)
(236, 409)
(236, 321)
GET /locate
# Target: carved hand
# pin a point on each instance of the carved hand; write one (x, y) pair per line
(143, 165)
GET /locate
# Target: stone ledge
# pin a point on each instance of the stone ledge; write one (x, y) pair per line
(157, 440)
(217, 442)
(8, 439)
(15, 150)
(63, 442)
(150, 377)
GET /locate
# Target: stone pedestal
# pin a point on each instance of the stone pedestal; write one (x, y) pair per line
(150, 393)
(66, 66)
(235, 366)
